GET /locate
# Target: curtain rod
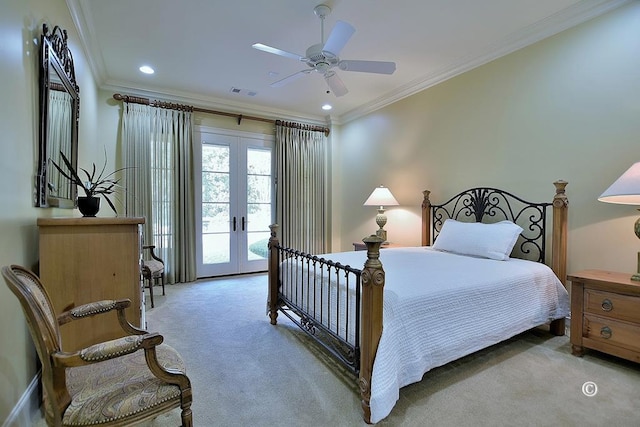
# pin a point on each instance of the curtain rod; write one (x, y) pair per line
(239, 117)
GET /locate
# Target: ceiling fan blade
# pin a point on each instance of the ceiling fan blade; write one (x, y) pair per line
(379, 67)
(290, 78)
(269, 49)
(335, 83)
(338, 38)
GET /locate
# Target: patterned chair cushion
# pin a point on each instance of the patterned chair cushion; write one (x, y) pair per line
(154, 267)
(115, 389)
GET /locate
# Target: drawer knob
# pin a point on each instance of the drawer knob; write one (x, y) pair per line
(606, 332)
(607, 305)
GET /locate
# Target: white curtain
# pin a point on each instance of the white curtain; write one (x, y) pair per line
(59, 139)
(157, 151)
(301, 187)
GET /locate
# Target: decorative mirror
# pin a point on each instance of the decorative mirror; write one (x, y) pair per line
(59, 110)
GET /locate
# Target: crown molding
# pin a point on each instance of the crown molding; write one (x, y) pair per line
(83, 23)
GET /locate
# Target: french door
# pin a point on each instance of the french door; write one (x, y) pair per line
(234, 204)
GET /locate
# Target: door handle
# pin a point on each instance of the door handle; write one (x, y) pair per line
(243, 223)
(234, 223)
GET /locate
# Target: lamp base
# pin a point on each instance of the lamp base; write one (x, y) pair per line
(382, 234)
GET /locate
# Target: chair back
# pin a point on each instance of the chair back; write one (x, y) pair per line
(43, 326)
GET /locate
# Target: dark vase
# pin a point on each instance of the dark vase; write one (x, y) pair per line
(88, 206)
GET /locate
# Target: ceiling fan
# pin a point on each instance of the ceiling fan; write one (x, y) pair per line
(324, 56)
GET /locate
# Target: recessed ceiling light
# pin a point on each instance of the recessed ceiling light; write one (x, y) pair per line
(146, 69)
(327, 107)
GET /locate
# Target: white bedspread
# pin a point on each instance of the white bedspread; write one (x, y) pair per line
(461, 305)
(439, 307)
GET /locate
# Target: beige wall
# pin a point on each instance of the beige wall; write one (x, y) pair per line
(565, 108)
(20, 23)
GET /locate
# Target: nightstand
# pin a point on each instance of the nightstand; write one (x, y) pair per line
(361, 246)
(605, 313)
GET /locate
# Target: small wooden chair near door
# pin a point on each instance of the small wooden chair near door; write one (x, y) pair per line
(152, 271)
(114, 383)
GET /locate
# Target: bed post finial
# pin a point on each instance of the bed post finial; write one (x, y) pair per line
(272, 297)
(560, 190)
(559, 243)
(371, 323)
(426, 218)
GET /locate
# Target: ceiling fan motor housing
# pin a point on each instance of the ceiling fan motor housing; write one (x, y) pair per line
(320, 60)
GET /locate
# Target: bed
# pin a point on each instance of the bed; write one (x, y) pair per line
(482, 275)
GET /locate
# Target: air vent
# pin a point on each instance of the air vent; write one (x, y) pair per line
(243, 91)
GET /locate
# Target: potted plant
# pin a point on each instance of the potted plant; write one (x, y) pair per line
(93, 186)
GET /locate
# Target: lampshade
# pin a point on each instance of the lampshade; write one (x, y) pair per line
(381, 196)
(626, 189)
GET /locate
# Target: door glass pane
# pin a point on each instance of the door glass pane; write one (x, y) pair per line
(215, 248)
(258, 202)
(259, 162)
(258, 189)
(215, 158)
(259, 216)
(257, 243)
(215, 204)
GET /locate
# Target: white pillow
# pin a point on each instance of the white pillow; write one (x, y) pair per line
(493, 241)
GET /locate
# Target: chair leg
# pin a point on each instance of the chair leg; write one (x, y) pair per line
(186, 416)
(162, 281)
(150, 280)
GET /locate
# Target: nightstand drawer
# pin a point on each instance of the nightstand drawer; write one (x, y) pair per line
(607, 304)
(611, 332)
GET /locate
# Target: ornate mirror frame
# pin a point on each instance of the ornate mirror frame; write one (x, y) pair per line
(59, 112)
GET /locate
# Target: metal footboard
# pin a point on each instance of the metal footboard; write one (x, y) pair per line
(323, 298)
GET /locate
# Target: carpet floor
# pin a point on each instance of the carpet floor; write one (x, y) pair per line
(246, 372)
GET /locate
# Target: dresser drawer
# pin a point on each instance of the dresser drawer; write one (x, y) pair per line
(621, 307)
(612, 332)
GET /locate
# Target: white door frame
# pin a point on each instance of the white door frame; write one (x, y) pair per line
(238, 244)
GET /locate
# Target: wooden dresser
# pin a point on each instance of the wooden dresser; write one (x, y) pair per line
(85, 260)
(605, 313)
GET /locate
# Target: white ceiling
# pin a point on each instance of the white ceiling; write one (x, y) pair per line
(201, 49)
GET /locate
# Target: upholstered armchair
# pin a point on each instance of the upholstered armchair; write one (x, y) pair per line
(152, 271)
(115, 383)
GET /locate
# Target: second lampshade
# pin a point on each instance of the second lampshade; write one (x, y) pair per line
(381, 197)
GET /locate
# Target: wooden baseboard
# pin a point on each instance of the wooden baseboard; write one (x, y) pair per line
(27, 410)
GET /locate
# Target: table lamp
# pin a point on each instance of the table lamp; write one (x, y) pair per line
(626, 191)
(381, 197)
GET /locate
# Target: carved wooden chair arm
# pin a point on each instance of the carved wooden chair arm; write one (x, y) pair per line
(100, 307)
(91, 309)
(107, 350)
(152, 253)
(114, 349)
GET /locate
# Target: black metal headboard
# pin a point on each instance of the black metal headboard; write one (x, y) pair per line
(489, 205)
